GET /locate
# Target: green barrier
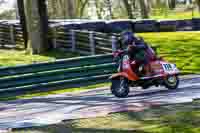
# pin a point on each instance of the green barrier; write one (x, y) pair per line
(56, 76)
(60, 64)
(60, 73)
(60, 84)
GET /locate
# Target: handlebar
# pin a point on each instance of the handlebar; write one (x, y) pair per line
(120, 53)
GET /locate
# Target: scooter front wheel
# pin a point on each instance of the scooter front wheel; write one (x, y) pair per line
(120, 87)
(171, 82)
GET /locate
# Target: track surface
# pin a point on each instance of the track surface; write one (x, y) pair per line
(53, 109)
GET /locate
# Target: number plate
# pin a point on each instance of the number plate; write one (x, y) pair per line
(169, 67)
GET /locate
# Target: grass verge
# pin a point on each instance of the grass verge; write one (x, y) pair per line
(19, 57)
(176, 15)
(32, 94)
(180, 118)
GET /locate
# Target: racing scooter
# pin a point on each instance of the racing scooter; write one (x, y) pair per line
(130, 74)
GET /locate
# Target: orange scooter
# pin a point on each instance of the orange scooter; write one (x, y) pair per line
(131, 74)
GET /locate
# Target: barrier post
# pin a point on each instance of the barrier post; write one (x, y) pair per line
(73, 40)
(12, 35)
(114, 43)
(55, 37)
(92, 43)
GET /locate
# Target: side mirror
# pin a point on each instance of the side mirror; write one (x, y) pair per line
(140, 38)
(160, 58)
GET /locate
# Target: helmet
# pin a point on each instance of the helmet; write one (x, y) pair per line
(127, 37)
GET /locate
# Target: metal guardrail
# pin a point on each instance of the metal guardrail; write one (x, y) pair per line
(10, 34)
(84, 42)
(11, 31)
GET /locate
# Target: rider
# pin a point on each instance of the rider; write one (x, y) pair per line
(136, 48)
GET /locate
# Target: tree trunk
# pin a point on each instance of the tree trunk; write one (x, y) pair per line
(128, 9)
(44, 23)
(53, 8)
(167, 4)
(172, 4)
(144, 8)
(20, 4)
(97, 8)
(198, 4)
(109, 5)
(188, 2)
(82, 8)
(134, 4)
(71, 11)
(36, 25)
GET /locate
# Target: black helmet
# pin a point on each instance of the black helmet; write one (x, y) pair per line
(127, 37)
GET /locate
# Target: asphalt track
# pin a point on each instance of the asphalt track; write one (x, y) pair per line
(41, 111)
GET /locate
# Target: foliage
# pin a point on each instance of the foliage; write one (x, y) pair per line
(102, 9)
(122, 9)
(58, 8)
(10, 14)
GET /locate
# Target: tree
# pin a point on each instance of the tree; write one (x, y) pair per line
(129, 9)
(109, 6)
(80, 7)
(172, 4)
(44, 24)
(35, 13)
(71, 10)
(22, 17)
(188, 2)
(98, 9)
(144, 8)
(198, 4)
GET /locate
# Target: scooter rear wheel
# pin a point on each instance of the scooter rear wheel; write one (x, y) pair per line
(120, 87)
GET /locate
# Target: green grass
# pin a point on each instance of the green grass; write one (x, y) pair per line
(181, 118)
(176, 15)
(19, 57)
(182, 48)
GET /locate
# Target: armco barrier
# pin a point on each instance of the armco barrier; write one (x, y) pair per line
(11, 31)
(167, 25)
(145, 26)
(61, 73)
(83, 42)
(184, 25)
(196, 24)
(117, 26)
